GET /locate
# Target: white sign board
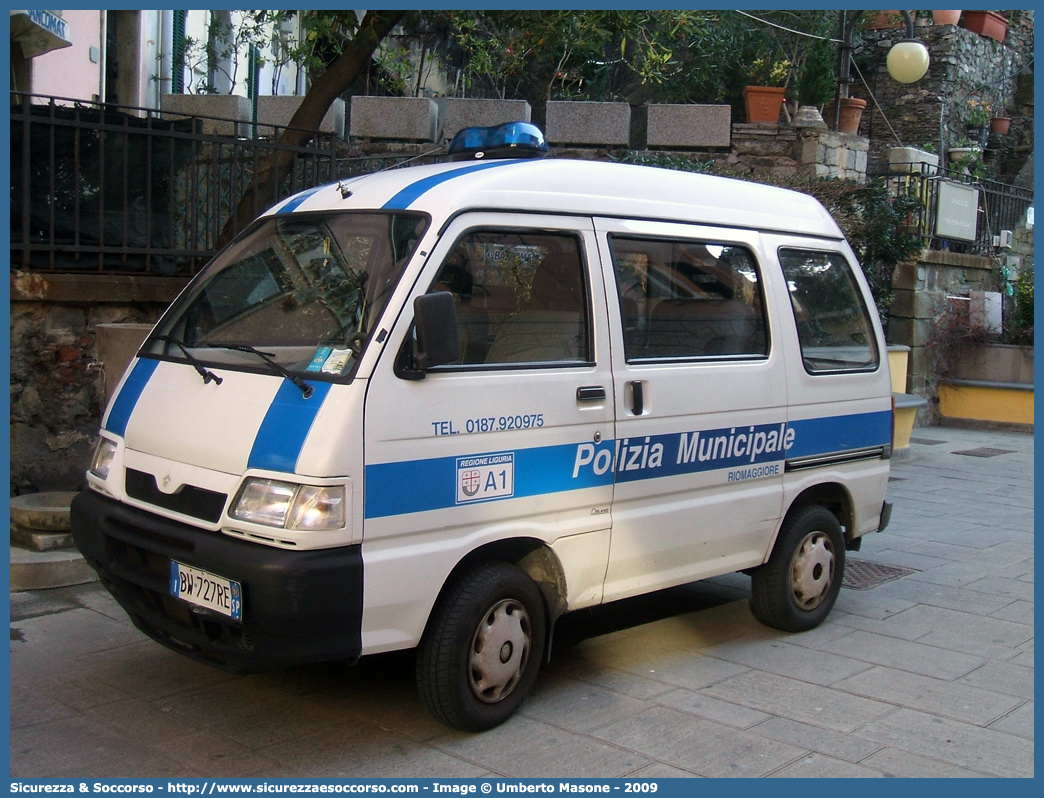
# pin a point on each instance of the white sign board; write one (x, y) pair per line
(958, 211)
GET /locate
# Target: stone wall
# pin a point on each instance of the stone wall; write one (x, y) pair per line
(963, 65)
(922, 286)
(57, 383)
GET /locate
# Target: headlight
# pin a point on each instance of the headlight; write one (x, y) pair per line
(289, 506)
(101, 462)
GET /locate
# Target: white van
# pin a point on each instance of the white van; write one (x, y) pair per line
(441, 406)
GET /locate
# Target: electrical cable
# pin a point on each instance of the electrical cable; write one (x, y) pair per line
(877, 105)
(788, 30)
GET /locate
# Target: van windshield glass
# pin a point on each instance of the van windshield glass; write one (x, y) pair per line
(306, 290)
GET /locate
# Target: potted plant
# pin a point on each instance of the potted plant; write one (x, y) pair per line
(851, 114)
(763, 99)
(885, 20)
(986, 23)
(977, 117)
(966, 159)
(946, 17)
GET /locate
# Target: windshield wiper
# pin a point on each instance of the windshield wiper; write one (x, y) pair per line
(205, 373)
(306, 389)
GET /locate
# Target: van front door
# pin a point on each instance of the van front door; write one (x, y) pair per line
(700, 404)
(513, 442)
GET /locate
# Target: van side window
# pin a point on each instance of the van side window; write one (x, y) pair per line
(832, 320)
(521, 297)
(688, 299)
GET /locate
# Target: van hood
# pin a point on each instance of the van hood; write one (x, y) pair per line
(257, 421)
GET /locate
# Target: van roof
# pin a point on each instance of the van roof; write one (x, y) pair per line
(590, 188)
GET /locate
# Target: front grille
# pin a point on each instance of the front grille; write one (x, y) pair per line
(200, 503)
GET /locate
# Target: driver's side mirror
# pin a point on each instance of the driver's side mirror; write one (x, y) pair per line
(438, 341)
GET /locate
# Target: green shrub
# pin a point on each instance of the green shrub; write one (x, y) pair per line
(816, 82)
(1020, 325)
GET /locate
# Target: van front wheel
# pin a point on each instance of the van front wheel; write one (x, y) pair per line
(796, 589)
(481, 652)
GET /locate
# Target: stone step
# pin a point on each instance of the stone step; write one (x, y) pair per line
(40, 570)
(43, 512)
(40, 541)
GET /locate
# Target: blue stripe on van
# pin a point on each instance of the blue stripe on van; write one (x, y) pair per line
(414, 486)
(283, 431)
(409, 195)
(295, 201)
(817, 436)
(120, 413)
(419, 485)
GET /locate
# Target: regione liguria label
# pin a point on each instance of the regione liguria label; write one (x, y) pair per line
(485, 476)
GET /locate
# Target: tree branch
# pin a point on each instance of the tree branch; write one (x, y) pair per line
(302, 126)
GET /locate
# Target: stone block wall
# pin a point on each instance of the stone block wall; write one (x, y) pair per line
(684, 126)
(921, 287)
(222, 114)
(587, 123)
(457, 114)
(278, 110)
(396, 118)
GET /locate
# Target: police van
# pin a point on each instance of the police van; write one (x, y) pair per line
(438, 407)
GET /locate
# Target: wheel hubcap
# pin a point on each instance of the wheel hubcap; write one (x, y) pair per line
(812, 571)
(499, 651)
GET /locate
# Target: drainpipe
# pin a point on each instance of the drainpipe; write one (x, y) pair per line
(103, 37)
(166, 51)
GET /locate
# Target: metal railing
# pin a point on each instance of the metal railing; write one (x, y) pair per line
(999, 207)
(102, 188)
(108, 189)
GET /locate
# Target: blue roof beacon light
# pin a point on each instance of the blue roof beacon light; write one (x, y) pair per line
(509, 140)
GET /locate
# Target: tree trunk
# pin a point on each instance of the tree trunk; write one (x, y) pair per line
(302, 126)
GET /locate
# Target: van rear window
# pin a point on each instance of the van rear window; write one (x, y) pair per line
(833, 323)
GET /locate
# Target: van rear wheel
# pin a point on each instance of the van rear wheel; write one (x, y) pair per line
(481, 652)
(796, 589)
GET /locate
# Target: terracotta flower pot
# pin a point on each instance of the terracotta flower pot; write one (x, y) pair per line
(986, 23)
(851, 114)
(763, 104)
(946, 17)
(885, 20)
(1000, 124)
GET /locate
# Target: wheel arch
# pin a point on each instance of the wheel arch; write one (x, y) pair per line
(533, 556)
(834, 496)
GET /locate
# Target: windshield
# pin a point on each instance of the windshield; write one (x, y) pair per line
(304, 290)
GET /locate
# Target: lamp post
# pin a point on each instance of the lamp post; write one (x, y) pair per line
(907, 61)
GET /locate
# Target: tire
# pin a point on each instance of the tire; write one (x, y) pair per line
(482, 649)
(796, 589)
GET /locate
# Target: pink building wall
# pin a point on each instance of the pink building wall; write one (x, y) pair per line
(69, 72)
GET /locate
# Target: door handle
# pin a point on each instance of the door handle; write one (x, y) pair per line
(590, 393)
(637, 397)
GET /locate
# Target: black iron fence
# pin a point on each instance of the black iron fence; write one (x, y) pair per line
(957, 211)
(102, 188)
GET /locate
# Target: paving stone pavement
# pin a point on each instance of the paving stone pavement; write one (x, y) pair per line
(930, 674)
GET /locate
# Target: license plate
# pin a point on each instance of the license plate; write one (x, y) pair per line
(204, 589)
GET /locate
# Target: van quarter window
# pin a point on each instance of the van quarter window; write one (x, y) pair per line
(521, 297)
(688, 299)
(832, 322)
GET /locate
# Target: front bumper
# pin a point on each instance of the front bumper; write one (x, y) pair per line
(298, 606)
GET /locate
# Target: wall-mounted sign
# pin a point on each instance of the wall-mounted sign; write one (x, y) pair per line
(38, 31)
(957, 214)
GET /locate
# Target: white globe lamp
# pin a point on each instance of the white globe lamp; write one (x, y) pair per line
(907, 61)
